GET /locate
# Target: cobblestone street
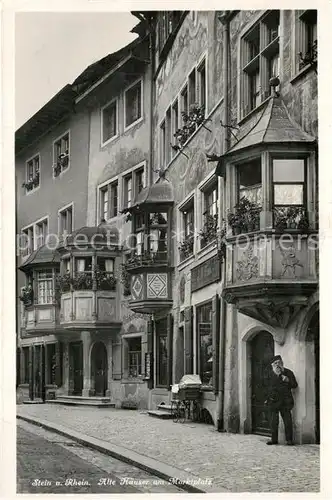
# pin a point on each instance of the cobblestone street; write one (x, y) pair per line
(235, 462)
(49, 463)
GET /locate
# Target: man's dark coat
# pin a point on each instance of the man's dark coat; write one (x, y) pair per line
(280, 392)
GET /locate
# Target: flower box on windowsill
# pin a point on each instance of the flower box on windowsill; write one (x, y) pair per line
(32, 183)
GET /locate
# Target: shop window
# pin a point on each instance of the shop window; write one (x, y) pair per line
(204, 333)
(133, 103)
(134, 357)
(109, 121)
(162, 353)
(25, 365)
(51, 364)
(307, 37)
(260, 61)
(289, 192)
(45, 289)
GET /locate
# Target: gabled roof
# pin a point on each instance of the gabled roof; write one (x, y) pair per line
(275, 126)
(43, 255)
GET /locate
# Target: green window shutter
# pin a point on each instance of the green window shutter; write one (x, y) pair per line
(169, 350)
(215, 341)
(188, 339)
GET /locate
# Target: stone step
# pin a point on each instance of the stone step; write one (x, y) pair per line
(165, 407)
(83, 402)
(33, 402)
(160, 414)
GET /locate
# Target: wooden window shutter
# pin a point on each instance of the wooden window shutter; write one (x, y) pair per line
(215, 341)
(169, 350)
(150, 328)
(188, 339)
(58, 364)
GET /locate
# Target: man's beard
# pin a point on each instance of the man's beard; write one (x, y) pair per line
(277, 369)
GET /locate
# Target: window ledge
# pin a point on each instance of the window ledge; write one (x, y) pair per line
(207, 249)
(253, 111)
(186, 262)
(137, 122)
(132, 381)
(301, 73)
(27, 193)
(109, 141)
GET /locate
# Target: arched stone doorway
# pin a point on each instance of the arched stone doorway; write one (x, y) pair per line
(99, 368)
(312, 372)
(262, 350)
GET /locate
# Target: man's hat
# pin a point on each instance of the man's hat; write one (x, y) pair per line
(275, 358)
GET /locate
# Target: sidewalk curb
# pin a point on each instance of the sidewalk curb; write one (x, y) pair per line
(180, 478)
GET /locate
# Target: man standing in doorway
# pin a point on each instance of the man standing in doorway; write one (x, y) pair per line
(280, 399)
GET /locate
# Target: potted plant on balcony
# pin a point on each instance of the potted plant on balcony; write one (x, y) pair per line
(82, 281)
(221, 242)
(209, 231)
(246, 216)
(63, 282)
(32, 182)
(191, 121)
(186, 247)
(104, 280)
(27, 295)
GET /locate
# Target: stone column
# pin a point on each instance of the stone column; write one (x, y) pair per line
(109, 348)
(65, 368)
(231, 401)
(86, 339)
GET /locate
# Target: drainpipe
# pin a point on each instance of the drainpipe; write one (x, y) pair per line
(226, 144)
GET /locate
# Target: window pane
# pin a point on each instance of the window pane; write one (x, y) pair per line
(133, 104)
(109, 122)
(250, 181)
(288, 194)
(288, 170)
(158, 218)
(204, 317)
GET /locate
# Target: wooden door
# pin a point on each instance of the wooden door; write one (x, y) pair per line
(77, 367)
(99, 367)
(262, 350)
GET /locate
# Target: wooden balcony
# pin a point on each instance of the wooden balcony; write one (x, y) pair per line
(86, 309)
(269, 277)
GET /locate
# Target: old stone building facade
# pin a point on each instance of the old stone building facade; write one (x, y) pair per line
(210, 194)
